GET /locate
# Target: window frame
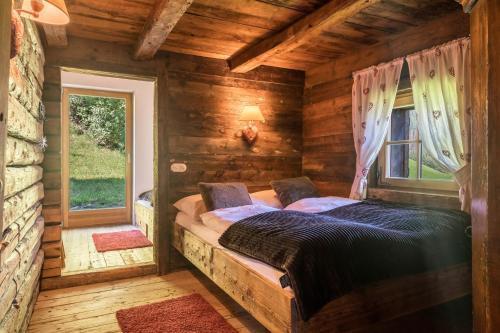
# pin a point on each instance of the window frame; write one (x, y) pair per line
(99, 216)
(404, 99)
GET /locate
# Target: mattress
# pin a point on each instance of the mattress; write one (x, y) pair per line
(212, 237)
(144, 203)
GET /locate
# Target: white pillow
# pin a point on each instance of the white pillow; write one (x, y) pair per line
(267, 198)
(316, 205)
(221, 219)
(192, 205)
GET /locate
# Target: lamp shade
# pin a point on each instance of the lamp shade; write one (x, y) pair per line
(251, 113)
(53, 12)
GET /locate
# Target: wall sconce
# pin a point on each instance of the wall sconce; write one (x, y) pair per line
(45, 11)
(251, 114)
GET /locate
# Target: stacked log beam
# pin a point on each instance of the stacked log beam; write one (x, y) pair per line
(21, 256)
(52, 211)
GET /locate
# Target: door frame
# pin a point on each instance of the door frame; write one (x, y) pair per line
(102, 216)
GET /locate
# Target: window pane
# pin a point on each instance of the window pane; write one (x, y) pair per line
(432, 170)
(403, 124)
(97, 163)
(402, 160)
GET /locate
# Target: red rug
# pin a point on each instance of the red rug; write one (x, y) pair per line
(120, 240)
(187, 314)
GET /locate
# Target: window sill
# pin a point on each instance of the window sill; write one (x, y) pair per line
(438, 199)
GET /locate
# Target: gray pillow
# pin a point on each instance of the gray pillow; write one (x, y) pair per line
(294, 189)
(224, 195)
(147, 196)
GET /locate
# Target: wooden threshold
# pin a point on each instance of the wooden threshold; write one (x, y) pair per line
(98, 275)
(98, 217)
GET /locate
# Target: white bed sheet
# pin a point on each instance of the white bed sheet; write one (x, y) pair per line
(144, 203)
(212, 237)
(317, 205)
(220, 220)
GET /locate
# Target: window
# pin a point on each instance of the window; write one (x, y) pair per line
(403, 160)
(96, 157)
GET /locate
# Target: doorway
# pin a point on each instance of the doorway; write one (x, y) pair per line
(107, 165)
(97, 157)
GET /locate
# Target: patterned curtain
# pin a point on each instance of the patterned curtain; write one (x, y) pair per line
(373, 95)
(442, 96)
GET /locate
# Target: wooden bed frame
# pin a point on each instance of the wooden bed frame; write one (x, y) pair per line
(144, 217)
(275, 308)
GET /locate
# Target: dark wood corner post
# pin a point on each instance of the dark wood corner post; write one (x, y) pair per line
(161, 168)
(485, 27)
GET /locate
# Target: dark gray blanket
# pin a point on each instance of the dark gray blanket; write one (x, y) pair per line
(329, 254)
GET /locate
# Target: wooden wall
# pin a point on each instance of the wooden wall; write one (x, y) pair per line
(196, 122)
(52, 242)
(329, 156)
(485, 43)
(204, 103)
(21, 257)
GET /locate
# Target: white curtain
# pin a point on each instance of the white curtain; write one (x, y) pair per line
(373, 95)
(442, 96)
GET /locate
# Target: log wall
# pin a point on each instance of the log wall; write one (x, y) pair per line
(329, 156)
(21, 258)
(52, 243)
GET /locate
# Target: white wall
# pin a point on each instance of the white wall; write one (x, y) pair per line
(143, 120)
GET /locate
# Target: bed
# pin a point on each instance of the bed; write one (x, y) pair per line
(144, 217)
(256, 287)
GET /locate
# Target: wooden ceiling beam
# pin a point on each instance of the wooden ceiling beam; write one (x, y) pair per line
(310, 26)
(161, 21)
(55, 35)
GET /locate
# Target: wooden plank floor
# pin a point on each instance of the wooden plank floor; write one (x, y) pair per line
(82, 256)
(92, 308)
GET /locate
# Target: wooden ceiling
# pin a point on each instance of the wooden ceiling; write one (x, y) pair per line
(239, 30)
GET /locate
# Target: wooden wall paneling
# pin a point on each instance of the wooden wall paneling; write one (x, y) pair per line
(204, 102)
(52, 178)
(329, 157)
(485, 42)
(97, 57)
(5, 12)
